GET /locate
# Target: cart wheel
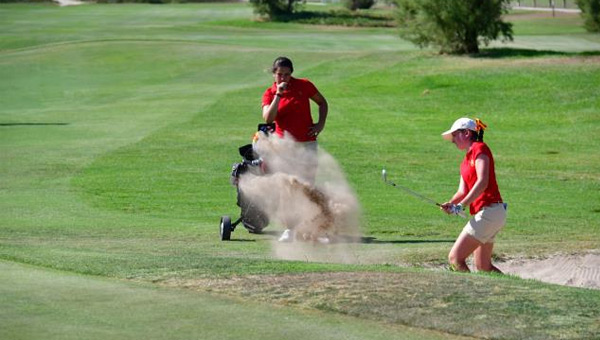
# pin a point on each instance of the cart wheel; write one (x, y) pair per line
(225, 228)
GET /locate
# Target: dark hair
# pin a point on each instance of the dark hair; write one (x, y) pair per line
(282, 62)
(480, 135)
(477, 136)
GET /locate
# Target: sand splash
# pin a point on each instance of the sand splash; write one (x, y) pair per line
(304, 189)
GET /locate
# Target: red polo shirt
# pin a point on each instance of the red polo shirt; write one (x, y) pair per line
(491, 194)
(293, 112)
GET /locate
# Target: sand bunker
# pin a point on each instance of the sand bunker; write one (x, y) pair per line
(569, 270)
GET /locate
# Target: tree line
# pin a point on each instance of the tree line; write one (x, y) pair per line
(452, 26)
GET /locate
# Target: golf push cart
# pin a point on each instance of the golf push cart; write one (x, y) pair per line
(251, 217)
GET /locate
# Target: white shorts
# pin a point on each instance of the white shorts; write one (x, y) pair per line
(487, 223)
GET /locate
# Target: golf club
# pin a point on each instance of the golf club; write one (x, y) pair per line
(415, 194)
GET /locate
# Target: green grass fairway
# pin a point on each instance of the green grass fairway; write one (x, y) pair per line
(119, 125)
(54, 305)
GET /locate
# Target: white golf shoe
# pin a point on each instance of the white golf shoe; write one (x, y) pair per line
(323, 240)
(287, 236)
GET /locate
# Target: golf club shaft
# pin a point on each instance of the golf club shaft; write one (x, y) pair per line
(415, 194)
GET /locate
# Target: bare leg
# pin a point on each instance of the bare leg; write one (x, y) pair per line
(464, 246)
(482, 257)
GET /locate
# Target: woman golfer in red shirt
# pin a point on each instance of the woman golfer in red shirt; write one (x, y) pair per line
(287, 104)
(477, 189)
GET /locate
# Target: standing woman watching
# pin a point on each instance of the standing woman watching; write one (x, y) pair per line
(477, 189)
(287, 104)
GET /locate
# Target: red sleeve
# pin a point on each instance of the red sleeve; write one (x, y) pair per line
(309, 87)
(268, 96)
(481, 149)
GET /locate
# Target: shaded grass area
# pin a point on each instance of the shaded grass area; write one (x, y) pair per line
(520, 52)
(341, 17)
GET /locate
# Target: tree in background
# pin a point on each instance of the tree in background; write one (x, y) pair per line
(455, 26)
(590, 11)
(275, 8)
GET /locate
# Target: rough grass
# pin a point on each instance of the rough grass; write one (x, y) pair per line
(502, 307)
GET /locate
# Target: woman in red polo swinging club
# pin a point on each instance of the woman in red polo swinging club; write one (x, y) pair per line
(477, 189)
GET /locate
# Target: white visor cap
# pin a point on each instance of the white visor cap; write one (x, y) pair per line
(460, 124)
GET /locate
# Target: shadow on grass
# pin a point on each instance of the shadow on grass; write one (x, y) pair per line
(354, 239)
(31, 124)
(271, 232)
(505, 52)
(373, 240)
(338, 17)
(243, 233)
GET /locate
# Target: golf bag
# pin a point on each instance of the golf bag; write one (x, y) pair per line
(251, 217)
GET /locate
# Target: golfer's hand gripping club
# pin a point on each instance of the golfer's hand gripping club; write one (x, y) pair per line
(457, 209)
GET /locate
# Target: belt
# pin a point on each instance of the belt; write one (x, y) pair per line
(499, 202)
